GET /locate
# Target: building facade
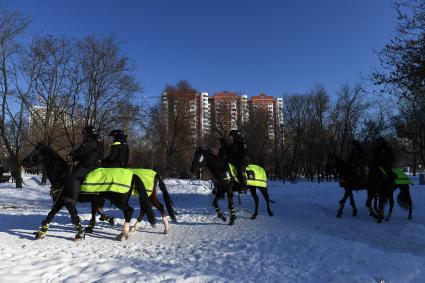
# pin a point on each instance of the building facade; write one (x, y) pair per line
(220, 112)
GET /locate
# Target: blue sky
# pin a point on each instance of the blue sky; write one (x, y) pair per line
(275, 47)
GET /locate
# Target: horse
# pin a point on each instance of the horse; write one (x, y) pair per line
(151, 180)
(224, 183)
(377, 186)
(57, 170)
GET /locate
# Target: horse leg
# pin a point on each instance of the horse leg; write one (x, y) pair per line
(267, 199)
(122, 203)
(382, 199)
(155, 202)
(76, 221)
(391, 201)
(167, 198)
(372, 211)
(342, 203)
(41, 233)
(254, 195)
(410, 203)
(103, 216)
(231, 206)
(94, 209)
(220, 213)
(353, 204)
(136, 225)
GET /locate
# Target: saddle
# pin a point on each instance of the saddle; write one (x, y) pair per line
(255, 175)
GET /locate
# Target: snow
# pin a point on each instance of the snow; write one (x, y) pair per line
(302, 242)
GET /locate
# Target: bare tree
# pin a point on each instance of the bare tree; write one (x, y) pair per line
(12, 25)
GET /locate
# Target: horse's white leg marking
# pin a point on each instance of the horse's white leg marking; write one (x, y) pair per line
(135, 226)
(125, 231)
(166, 225)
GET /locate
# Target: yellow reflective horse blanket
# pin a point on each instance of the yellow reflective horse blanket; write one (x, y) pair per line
(148, 178)
(255, 175)
(117, 180)
(402, 178)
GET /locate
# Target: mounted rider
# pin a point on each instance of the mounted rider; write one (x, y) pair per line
(237, 154)
(357, 160)
(118, 157)
(87, 156)
(383, 156)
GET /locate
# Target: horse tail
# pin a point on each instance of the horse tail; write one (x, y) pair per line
(168, 202)
(144, 199)
(403, 198)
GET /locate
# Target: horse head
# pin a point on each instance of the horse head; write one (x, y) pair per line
(34, 158)
(199, 157)
(40, 154)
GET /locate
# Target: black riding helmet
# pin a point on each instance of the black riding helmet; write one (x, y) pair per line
(118, 135)
(89, 131)
(235, 134)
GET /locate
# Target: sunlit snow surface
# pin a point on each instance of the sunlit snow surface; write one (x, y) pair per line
(302, 242)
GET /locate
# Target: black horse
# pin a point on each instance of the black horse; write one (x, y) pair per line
(57, 171)
(224, 183)
(377, 186)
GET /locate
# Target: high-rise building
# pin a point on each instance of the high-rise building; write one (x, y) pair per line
(223, 111)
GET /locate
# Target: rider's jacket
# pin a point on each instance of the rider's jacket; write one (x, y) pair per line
(118, 157)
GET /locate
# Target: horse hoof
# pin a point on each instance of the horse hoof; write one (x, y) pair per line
(254, 216)
(270, 213)
(387, 219)
(39, 235)
(409, 218)
(79, 237)
(338, 215)
(231, 222)
(88, 230)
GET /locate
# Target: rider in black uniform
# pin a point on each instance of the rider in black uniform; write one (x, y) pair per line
(87, 155)
(383, 156)
(357, 161)
(118, 157)
(238, 156)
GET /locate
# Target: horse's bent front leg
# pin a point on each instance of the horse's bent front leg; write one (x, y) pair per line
(372, 211)
(76, 221)
(103, 216)
(41, 233)
(342, 203)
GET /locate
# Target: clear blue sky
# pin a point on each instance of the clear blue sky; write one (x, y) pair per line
(274, 47)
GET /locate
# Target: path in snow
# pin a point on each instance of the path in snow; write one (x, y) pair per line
(303, 242)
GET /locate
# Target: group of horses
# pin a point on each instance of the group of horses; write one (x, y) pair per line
(225, 184)
(380, 188)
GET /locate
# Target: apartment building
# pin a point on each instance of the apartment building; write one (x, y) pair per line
(223, 111)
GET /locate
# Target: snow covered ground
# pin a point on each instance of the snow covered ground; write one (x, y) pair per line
(302, 242)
